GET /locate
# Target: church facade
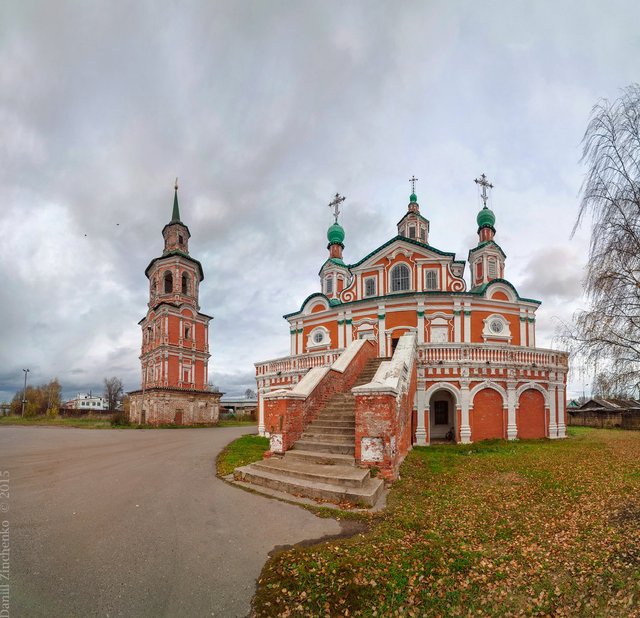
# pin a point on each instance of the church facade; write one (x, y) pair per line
(175, 339)
(478, 371)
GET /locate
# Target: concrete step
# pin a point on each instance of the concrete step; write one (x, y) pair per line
(336, 416)
(337, 422)
(336, 438)
(324, 447)
(335, 459)
(366, 495)
(340, 430)
(340, 475)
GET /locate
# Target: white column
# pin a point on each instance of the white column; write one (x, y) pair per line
(421, 432)
(420, 322)
(293, 340)
(532, 333)
(523, 330)
(467, 323)
(299, 333)
(553, 425)
(465, 428)
(381, 289)
(562, 429)
(512, 428)
(381, 334)
(349, 328)
(419, 278)
(341, 330)
(457, 334)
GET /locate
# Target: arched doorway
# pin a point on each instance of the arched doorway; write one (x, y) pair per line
(442, 416)
(488, 416)
(530, 415)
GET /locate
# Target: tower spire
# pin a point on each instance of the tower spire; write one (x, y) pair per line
(485, 184)
(176, 210)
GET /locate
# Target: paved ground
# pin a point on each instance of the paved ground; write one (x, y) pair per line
(134, 523)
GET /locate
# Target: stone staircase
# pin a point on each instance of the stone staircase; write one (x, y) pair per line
(321, 464)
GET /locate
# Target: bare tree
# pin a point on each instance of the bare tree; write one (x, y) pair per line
(609, 329)
(113, 392)
(250, 394)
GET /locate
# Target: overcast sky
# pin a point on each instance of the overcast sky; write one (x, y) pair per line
(264, 110)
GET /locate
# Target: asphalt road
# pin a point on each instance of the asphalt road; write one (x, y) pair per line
(135, 523)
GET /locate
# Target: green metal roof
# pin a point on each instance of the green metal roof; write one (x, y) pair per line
(485, 244)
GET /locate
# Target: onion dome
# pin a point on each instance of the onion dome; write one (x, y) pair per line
(413, 198)
(486, 218)
(335, 234)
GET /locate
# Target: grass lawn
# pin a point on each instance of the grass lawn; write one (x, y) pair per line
(241, 452)
(497, 528)
(91, 422)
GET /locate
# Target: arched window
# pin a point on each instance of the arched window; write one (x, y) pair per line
(168, 283)
(185, 283)
(400, 278)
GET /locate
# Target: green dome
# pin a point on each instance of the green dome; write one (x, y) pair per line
(335, 234)
(413, 198)
(486, 218)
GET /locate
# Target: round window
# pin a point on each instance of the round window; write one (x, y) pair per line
(496, 326)
(318, 337)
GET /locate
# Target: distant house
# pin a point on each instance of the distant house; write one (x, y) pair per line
(87, 403)
(609, 412)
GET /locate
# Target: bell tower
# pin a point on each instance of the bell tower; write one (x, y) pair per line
(175, 338)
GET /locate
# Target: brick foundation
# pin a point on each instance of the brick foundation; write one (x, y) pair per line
(174, 407)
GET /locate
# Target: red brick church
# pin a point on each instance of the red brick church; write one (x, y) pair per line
(449, 358)
(175, 338)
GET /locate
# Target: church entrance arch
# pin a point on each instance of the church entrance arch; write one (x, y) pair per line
(442, 415)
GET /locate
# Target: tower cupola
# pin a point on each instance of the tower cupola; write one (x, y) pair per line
(413, 225)
(487, 259)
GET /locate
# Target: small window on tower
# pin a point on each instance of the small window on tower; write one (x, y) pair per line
(180, 239)
(412, 232)
(329, 285)
(186, 332)
(185, 283)
(423, 234)
(492, 269)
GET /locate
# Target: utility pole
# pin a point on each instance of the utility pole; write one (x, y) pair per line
(24, 392)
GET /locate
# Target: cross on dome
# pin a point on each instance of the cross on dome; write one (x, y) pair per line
(413, 181)
(484, 183)
(335, 204)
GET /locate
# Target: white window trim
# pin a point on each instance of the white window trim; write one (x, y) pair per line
(373, 278)
(488, 333)
(326, 339)
(436, 271)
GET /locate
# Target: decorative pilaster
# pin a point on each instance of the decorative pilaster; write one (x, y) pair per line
(553, 425)
(420, 322)
(465, 427)
(562, 429)
(349, 328)
(341, 330)
(457, 323)
(467, 323)
(381, 331)
(421, 432)
(512, 427)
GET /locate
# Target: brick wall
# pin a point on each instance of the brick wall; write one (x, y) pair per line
(530, 415)
(488, 418)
